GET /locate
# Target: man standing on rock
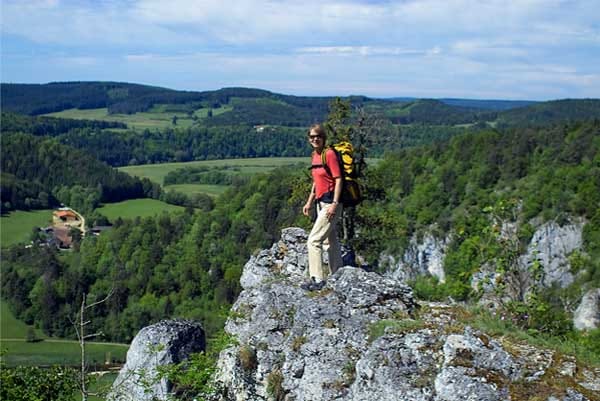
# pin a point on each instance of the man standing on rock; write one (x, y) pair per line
(326, 191)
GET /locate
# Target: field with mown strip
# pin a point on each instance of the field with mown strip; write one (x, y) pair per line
(159, 116)
(136, 207)
(191, 189)
(157, 172)
(16, 226)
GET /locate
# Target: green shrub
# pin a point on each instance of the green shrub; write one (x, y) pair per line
(430, 289)
(27, 383)
(275, 385)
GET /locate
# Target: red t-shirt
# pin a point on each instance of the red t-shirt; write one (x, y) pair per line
(324, 182)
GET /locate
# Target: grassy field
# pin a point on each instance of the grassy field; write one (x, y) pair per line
(60, 352)
(136, 207)
(157, 172)
(51, 350)
(160, 116)
(191, 189)
(16, 226)
(10, 327)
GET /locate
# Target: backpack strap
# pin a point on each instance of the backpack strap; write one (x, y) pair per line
(324, 160)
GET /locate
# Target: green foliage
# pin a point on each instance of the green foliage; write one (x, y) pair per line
(27, 383)
(225, 175)
(428, 288)
(451, 183)
(583, 345)
(538, 316)
(50, 126)
(185, 264)
(275, 385)
(133, 208)
(437, 112)
(553, 112)
(589, 341)
(175, 144)
(193, 379)
(36, 171)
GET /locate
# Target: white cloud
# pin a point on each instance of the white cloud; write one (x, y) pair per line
(410, 47)
(367, 51)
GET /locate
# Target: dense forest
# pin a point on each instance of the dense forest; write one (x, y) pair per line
(189, 264)
(35, 170)
(177, 144)
(50, 126)
(550, 113)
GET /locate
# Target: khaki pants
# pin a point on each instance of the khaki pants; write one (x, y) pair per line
(324, 232)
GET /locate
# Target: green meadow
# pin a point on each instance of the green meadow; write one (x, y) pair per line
(17, 226)
(136, 207)
(11, 327)
(50, 351)
(157, 172)
(160, 116)
(191, 189)
(60, 352)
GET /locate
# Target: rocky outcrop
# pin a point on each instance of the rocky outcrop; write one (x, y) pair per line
(363, 338)
(551, 245)
(163, 343)
(587, 315)
(423, 256)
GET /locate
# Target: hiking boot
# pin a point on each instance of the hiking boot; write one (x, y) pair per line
(312, 285)
(319, 286)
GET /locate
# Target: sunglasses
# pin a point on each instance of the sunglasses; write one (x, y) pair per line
(314, 137)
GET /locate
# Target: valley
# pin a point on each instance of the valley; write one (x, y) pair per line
(186, 202)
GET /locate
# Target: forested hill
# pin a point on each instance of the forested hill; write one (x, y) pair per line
(36, 171)
(234, 106)
(127, 98)
(50, 126)
(553, 112)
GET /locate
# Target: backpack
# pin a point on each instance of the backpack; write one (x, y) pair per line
(351, 193)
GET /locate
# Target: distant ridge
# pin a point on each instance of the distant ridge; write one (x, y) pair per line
(483, 104)
(236, 106)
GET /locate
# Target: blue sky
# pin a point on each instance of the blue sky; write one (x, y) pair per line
(485, 49)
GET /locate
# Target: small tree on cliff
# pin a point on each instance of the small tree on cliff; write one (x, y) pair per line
(359, 128)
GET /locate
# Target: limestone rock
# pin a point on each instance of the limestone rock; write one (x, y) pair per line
(363, 338)
(587, 315)
(551, 245)
(423, 256)
(163, 343)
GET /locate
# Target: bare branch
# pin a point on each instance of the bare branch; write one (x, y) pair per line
(102, 300)
(93, 335)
